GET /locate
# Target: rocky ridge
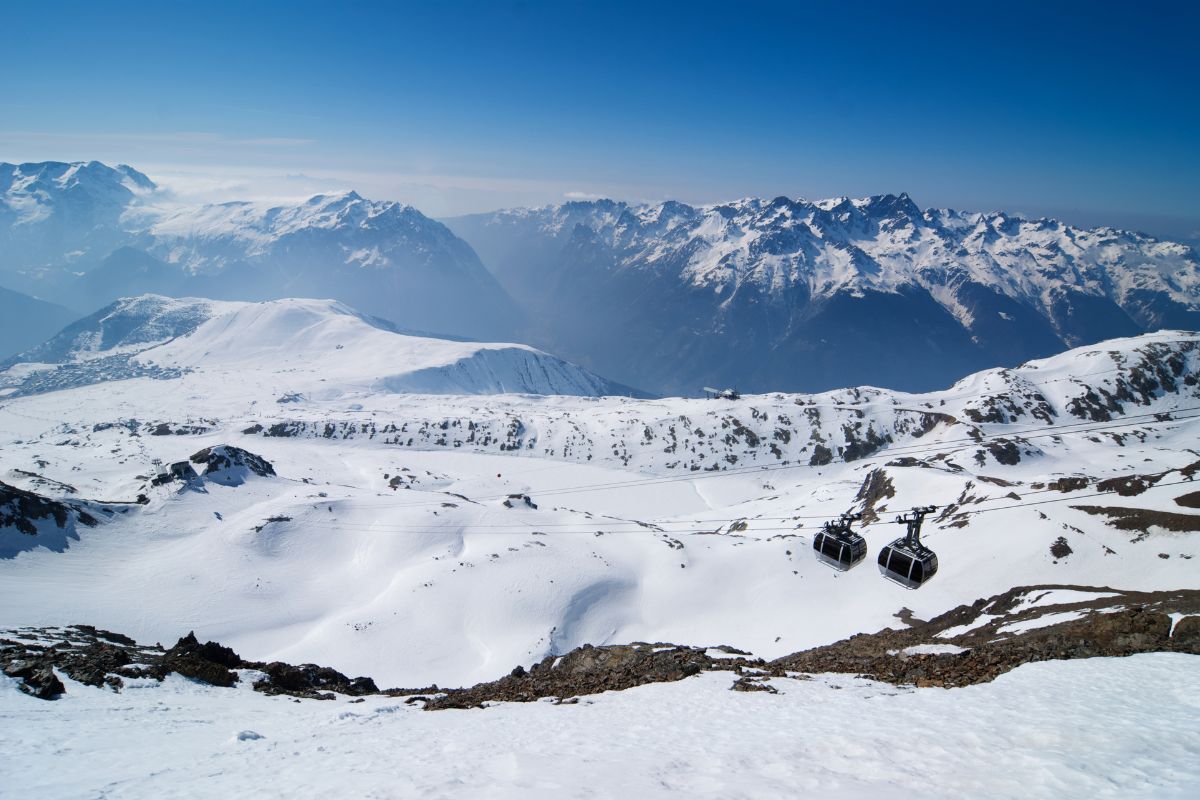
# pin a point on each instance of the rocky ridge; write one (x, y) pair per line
(788, 294)
(101, 658)
(967, 645)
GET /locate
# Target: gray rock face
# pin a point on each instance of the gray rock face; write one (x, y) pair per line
(976, 643)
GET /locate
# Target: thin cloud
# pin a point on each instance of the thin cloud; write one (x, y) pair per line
(166, 137)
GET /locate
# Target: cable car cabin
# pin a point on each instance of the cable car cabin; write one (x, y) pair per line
(906, 561)
(906, 564)
(838, 546)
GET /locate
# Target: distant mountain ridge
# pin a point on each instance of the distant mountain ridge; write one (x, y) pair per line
(789, 294)
(89, 233)
(26, 321)
(765, 295)
(300, 348)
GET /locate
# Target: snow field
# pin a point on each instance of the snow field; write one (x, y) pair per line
(436, 581)
(1040, 731)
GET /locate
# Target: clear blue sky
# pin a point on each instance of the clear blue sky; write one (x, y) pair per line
(1083, 109)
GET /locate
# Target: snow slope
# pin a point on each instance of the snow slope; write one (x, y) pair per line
(306, 348)
(792, 294)
(382, 544)
(1037, 732)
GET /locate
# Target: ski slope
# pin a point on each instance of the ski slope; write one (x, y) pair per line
(382, 545)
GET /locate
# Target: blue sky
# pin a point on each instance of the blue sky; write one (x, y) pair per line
(1085, 110)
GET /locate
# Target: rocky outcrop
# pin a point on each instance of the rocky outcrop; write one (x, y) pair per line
(231, 466)
(207, 663)
(975, 643)
(36, 676)
(29, 520)
(102, 658)
(970, 644)
(308, 680)
(590, 670)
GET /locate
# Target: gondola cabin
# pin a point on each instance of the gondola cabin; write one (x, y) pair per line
(906, 561)
(907, 565)
(838, 546)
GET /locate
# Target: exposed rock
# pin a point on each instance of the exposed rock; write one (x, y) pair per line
(590, 670)
(1142, 519)
(230, 466)
(308, 680)
(1186, 635)
(37, 677)
(1059, 548)
(1189, 500)
(29, 520)
(208, 662)
(102, 658)
(1121, 624)
(1070, 483)
(966, 645)
(875, 487)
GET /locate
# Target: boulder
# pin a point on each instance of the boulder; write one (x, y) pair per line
(208, 662)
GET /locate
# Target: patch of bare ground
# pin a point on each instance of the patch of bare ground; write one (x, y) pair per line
(1142, 519)
(975, 643)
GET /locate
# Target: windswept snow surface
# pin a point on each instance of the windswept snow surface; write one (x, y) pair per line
(382, 545)
(1098, 728)
(315, 348)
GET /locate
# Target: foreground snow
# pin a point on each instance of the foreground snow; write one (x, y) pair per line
(1038, 731)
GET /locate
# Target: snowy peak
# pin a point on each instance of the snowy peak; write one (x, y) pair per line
(324, 349)
(729, 243)
(129, 325)
(86, 233)
(284, 351)
(792, 294)
(34, 192)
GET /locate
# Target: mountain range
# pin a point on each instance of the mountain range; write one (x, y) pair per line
(781, 294)
(86, 233)
(788, 294)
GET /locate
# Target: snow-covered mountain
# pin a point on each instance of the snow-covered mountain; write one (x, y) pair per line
(390, 535)
(88, 233)
(55, 215)
(788, 294)
(282, 350)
